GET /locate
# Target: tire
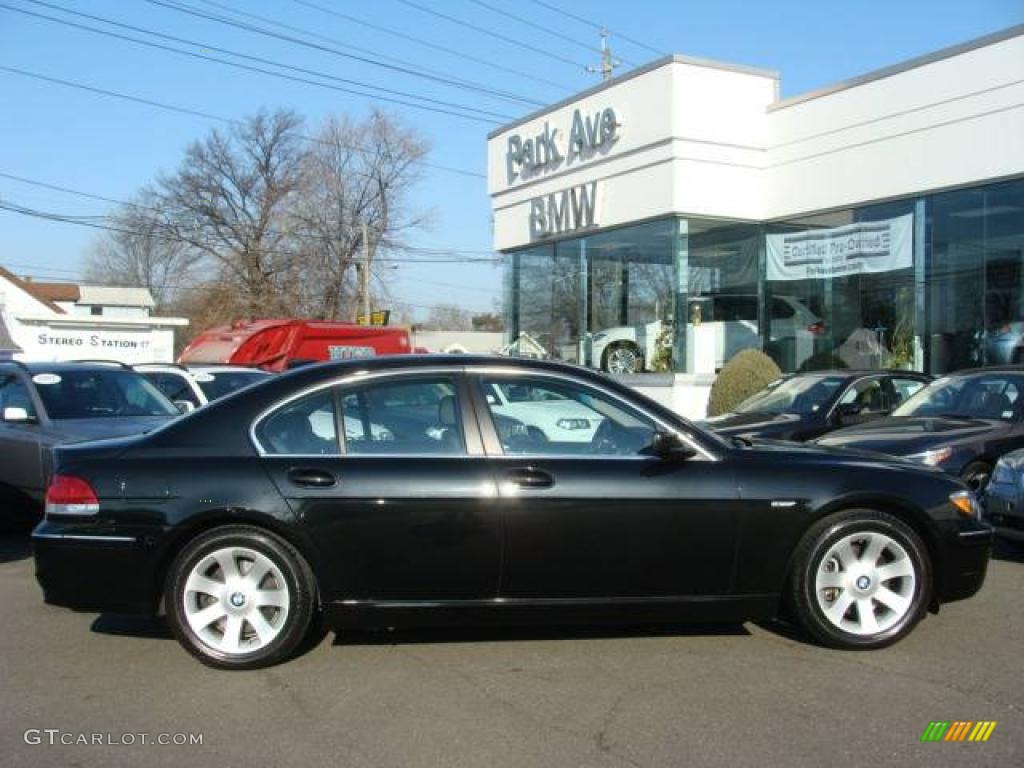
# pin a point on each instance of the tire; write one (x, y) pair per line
(622, 357)
(255, 624)
(884, 596)
(976, 475)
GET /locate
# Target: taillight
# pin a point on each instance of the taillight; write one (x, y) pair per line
(70, 495)
(817, 328)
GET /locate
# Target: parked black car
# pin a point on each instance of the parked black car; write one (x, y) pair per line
(961, 423)
(803, 406)
(255, 513)
(43, 404)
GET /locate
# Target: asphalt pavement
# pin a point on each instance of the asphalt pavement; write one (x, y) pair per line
(737, 695)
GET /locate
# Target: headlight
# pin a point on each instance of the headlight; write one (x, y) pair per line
(932, 458)
(966, 504)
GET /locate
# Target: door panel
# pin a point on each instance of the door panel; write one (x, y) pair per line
(410, 528)
(623, 527)
(589, 512)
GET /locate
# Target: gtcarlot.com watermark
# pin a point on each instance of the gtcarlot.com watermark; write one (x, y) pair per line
(55, 737)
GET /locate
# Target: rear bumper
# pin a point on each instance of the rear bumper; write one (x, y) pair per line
(92, 569)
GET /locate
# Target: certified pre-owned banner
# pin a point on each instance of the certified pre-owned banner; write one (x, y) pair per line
(874, 246)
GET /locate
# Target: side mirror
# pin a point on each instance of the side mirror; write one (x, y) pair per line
(670, 447)
(18, 416)
(184, 406)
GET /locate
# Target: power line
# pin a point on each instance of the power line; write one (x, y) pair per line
(486, 89)
(128, 204)
(595, 25)
(491, 33)
(540, 27)
(202, 114)
(93, 222)
(419, 72)
(433, 46)
(237, 65)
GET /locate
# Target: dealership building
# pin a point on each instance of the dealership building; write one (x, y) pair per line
(667, 218)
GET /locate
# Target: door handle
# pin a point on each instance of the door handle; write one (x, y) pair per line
(311, 478)
(529, 478)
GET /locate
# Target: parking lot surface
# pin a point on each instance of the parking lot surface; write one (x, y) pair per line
(669, 696)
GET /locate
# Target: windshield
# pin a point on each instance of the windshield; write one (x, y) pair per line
(991, 396)
(96, 394)
(800, 395)
(222, 383)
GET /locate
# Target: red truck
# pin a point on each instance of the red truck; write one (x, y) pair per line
(279, 344)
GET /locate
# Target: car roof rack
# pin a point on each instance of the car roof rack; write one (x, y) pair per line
(117, 363)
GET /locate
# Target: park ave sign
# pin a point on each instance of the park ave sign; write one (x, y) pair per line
(567, 210)
(528, 157)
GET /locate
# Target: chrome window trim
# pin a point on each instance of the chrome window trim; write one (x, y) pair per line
(359, 376)
(521, 371)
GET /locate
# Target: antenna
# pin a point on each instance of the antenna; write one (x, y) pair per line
(608, 62)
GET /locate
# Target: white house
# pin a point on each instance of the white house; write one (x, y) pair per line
(62, 321)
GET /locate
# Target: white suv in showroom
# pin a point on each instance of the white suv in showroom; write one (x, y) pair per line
(632, 348)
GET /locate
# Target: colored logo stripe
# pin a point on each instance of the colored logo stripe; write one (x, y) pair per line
(958, 730)
(982, 731)
(934, 731)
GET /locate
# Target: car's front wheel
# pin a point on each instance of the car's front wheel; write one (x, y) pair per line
(240, 597)
(861, 579)
(622, 357)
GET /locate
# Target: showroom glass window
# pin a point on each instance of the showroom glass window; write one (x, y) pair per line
(975, 287)
(863, 318)
(618, 282)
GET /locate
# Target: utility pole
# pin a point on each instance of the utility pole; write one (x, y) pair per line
(608, 62)
(364, 273)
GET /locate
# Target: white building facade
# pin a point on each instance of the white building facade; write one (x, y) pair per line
(676, 214)
(58, 323)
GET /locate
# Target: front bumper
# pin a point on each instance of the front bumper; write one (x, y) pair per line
(91, 568)
(965, 563)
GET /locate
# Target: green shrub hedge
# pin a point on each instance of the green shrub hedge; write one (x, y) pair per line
(748, 372)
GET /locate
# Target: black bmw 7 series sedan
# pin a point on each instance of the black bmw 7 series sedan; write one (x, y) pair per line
(384, 492)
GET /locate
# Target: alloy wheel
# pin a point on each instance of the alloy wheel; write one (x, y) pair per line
(236, 600)
(865, 583)
(623, 360)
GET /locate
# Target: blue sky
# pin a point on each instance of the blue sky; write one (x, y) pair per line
(110, 147)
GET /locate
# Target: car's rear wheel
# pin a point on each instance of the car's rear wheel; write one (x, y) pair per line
(622, 357)
(240, 597)
(976, 475)
(861, 579)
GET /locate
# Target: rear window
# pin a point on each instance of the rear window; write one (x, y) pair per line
(219, 383)
(97, 394)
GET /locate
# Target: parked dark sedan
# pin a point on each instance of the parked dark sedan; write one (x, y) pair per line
(1003, 499)
(961, 423)
(803, 406)
(254, 514)
(42, 404)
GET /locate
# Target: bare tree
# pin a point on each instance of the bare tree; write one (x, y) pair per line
(356, 178)
(139, 250)
(448, 317)
(229, 200)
